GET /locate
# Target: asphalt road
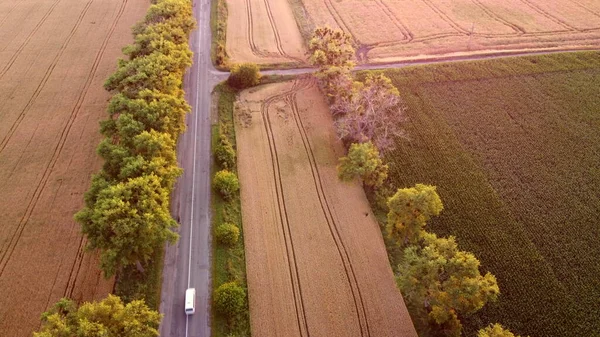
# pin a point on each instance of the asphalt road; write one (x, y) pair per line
(187, 263)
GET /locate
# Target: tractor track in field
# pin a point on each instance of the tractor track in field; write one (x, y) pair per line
(331, 221)
(408, 35)
(5, 257)
(339, 20)
(19, 50)
(250, 35)
(15, 4)
(45, 79)
(276, 34)
(76, 267)
(586, 8)
(549, 16)
(283, 217)
(290, 98)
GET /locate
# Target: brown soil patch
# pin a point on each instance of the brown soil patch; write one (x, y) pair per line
(263, 32)
(54, 58)
(315, 257)
(397, 30)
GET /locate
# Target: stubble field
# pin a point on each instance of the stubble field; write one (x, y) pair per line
(54, 58)
(316, 262)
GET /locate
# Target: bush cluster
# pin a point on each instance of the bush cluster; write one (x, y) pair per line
(244, 75)
(126, 214)
(226, 183)
(227, 234)
(230, 299)
(224, 153)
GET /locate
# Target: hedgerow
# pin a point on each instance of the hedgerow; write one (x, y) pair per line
(146, 117)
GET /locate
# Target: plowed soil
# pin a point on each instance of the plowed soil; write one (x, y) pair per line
(316, 261)
(398, 30)
(54, 58)
(263, 32)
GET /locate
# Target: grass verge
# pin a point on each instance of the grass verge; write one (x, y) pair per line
(218, 26)
(512, 145)
(229, 263)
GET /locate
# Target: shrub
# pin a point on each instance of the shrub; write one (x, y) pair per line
(229, 299)
(224, 153)
(226, 183)
(244, 75)
(227, 234)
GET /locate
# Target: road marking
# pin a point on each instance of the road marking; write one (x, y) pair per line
(193, 177)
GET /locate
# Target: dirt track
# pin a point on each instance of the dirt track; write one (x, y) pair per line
(54, 58)
(316, 261)
(263, 31)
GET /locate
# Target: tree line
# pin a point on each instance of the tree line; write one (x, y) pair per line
(439, 282)
(126, 215)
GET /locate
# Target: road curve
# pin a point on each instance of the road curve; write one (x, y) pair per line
(187, 262)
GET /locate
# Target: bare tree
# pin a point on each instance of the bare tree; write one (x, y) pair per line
(373, 111)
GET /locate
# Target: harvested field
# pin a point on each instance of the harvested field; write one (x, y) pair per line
(54, 58)
(397, 30)
(263, 32)
(316, 262)
(513, 147)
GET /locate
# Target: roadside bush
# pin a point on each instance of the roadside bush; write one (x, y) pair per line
(226, 183)
(224, 153)
(229, 299)
(227, 234)
(244, 75)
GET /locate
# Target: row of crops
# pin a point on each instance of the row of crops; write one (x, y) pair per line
(513, 148)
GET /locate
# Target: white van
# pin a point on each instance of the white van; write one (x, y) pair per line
(190, 301)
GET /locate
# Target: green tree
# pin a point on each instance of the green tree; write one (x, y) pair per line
(495, 330)
(332, 51)
(363, 162)
(443, 281)
(226, 183)
(409, 211)
(244, 75)
(229, 299)
(107, 318)
(127, 222)
(227, 234)
(224, 153)
(331, 47)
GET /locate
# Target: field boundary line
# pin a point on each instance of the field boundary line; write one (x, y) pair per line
(329, 218)
(39, 188)
(13, 58)
(284, 221)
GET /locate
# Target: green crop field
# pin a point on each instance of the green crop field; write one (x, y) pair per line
(513, 146)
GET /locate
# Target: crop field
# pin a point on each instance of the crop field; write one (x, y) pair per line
(316, 261)
(514, 150)
(54, 58)
(396, 30)
(263, 32)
